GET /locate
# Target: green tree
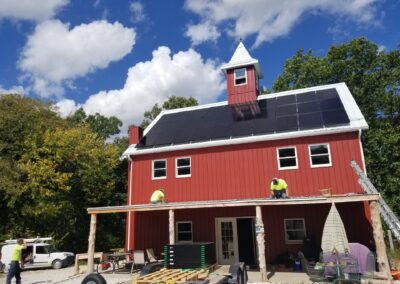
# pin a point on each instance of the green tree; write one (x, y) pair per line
(105, 127)
(373, 77)
(22, 121)
(172, 103)
(51, 170)
(71, 170)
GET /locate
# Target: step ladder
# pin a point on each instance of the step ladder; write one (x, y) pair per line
(386, 213)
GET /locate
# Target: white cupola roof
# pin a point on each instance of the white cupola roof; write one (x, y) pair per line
(241, 58)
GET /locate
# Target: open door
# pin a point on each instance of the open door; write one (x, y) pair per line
(227, 243)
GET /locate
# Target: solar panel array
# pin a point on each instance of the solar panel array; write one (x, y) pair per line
(312, 110)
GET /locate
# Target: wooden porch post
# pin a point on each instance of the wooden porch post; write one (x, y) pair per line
(260, 243)
(171, 227)
(92, 239)
(381, 256)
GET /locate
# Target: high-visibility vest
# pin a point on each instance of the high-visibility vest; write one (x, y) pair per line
(17, 252)
(157, 195)
(281, 185)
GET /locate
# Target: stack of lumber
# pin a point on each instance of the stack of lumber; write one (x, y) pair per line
(176, 276)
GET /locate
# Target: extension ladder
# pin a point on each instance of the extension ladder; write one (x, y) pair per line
(386, 213)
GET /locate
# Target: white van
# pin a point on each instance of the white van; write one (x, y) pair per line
(38, 253)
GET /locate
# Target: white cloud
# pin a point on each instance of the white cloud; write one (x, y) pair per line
(268, 19)
(66, 107)
(137, 11)
(382, 48)
(34, 10)
(182, 74)
(202, 32)
(13, 90)
(55, 54)
(96, 3)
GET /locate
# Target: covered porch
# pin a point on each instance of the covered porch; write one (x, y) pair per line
(259, 217)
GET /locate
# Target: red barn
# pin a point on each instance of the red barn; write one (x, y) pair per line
(215, 163)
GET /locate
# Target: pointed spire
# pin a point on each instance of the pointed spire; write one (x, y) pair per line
(241, 58)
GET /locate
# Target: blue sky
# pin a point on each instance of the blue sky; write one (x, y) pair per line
(121, 57)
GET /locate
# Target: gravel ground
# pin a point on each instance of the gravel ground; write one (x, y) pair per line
(67, 276)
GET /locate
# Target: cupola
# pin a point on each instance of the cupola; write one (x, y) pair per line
(242, 75)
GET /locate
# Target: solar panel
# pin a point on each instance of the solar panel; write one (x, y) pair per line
(306, 97)
(335, 118)
(287, 123)
(311, 120)
(285, 100)
(311, 110)
(305, 107)
(330, 104)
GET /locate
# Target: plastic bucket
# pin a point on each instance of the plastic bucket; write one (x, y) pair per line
(297, 266)
(395, 274)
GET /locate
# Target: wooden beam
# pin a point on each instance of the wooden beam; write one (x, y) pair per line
(92, 240)
(381, 256)
(235, 203)
(171, 227)
(260, 243)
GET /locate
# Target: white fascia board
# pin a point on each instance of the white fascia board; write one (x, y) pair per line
(243, 140)
(253, 62)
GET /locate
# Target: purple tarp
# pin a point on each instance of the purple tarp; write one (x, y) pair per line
(364, 256)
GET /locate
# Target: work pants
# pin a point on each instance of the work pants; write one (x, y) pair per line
(14, 270)
(281, 193)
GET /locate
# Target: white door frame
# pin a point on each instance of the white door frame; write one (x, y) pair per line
(234, 248)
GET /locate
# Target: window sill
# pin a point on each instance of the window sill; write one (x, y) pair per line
(321, 166)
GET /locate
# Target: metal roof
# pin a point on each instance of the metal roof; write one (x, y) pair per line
(297, 113)
(241, 58)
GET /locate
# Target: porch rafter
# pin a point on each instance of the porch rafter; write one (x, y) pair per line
(235, 203)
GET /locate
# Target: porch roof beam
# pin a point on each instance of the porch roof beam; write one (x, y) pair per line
(234, 203)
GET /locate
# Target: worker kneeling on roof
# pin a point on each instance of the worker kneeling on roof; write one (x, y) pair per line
(278, 188)
(157, 196)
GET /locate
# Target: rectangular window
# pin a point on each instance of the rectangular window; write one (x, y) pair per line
(240, 76)
(295, 230)
(159, 169)
(287, 158)
(184, 231)
(183, 167)
(320, 155)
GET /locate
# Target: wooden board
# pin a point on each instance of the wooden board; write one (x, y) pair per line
(172, 276)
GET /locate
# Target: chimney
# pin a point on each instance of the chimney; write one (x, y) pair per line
(242, 76)
(135, 134)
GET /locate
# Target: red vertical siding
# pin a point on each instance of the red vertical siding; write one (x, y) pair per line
(245, 171)
(242, 93)
(152, 227)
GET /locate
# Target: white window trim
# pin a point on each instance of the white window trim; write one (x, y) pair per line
(234, 76)
(278, 158)
(152, 169)
(176, 230)
(329, 154)
(176, 167)
(304, 228)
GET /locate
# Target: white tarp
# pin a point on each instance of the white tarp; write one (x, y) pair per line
(334, 238)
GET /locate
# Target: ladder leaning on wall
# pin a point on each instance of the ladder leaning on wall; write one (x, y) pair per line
(386, 213)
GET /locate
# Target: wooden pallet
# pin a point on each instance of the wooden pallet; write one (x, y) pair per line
(172, 276)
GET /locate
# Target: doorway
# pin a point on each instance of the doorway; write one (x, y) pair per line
(235, 240)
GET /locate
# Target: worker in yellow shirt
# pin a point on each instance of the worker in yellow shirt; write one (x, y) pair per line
(157, 196)
(15, 270)
(278, 188)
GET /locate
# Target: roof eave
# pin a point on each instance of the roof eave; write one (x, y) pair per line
(234, 65)
(133, 151)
